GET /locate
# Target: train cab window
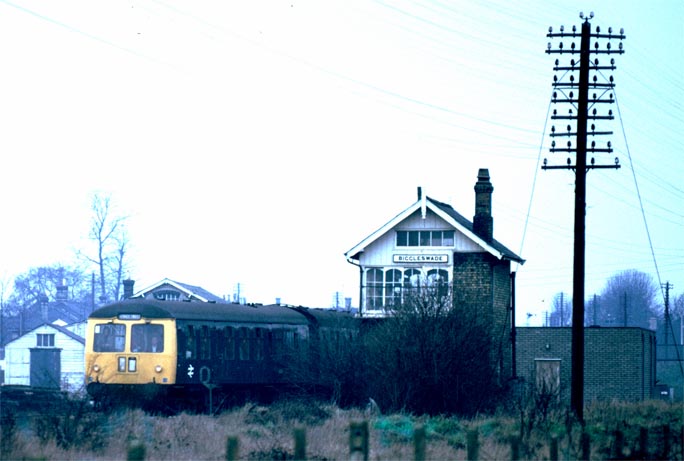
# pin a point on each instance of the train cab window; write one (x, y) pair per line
(109, 337)
(147, 337)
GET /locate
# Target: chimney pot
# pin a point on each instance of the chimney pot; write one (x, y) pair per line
(128, 285)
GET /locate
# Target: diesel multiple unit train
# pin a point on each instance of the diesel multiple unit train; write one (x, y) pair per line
(148, 351)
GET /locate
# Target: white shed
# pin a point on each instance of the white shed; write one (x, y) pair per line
(48, 356)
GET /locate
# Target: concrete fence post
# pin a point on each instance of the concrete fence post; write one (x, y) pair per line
(553, 449)
(232, 448)
(419, 443)
(472, 445)
(358, 441)
(300, 444)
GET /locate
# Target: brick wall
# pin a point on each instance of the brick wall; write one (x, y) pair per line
(482, 282)
(619, 363)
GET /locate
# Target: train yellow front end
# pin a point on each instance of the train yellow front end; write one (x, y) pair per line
(129, 353)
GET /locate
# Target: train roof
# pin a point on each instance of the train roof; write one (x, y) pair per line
(198, 311)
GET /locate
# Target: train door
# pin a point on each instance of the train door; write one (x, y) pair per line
(45, 367)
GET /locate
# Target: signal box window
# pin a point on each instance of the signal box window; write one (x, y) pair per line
(147, 337)
(109, 337)
(45, 340)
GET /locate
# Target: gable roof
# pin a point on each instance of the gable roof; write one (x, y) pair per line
(191, 291)
(61, 329)
(448, 214)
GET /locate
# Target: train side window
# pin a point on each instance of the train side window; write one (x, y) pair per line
(204, 343)
(229, 335)
(259, 344)
(191, 345)
(147, 337)
(244, 343)
(109, 337)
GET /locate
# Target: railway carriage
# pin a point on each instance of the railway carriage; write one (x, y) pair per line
(150, 351)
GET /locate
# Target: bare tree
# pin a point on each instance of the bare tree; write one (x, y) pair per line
(110, 240)
(628, 299)
(42, 281)
(561, 311)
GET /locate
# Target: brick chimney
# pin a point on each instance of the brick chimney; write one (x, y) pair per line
(62, 293)
(43, 300)
(128, 288)
(483, 223)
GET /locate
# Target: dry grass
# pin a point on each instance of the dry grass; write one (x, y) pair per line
(267, 433)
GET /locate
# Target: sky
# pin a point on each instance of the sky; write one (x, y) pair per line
(255, 142)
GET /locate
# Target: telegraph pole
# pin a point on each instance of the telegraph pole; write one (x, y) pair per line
(564, 93)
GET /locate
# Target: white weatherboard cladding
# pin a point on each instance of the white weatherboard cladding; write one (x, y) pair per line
(18, 357)
(381, 251)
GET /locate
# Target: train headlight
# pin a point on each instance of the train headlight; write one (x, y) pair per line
(96, 368)
(158, 368)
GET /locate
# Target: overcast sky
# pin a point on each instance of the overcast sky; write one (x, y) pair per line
(255, 142)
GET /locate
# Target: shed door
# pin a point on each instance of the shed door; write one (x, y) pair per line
(45, 367)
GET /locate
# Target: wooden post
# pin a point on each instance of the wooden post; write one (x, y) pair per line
(553, 449)
(515, 448)
(232, 448)
(136, 452)
(586, 446)
(472, 445)
(358, 441)
(618, 447)
(643, 443)
(300, 444)
(419, 443)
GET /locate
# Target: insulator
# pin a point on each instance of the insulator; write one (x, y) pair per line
(562, 28)
(593, 127)
(550, 29)
(610, 96)
(569, 111)
(569, 144)
(557, 62)
(555, 78)
(622, 31)
(594, 95)
(553, 128)
(545, 161)
(569, 160)
(555, 112)
(617, 161)
(593, 161)
(574, 28)
(594, 111)
(569, 128)
(560, 45)
(609, 145)
(593, 144)
(548, 46)
(595, 78)
(572, 78)
(581, 15)
(620, 46)
(612, 61)
(596, 62)
(572, 62)
(610, 79)
(555, 95)
(553, 143)
(610, 113)
(598, 30)
(572, 45)
(596, 45)
(608, 45)
(571, 94)
(610, 30)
